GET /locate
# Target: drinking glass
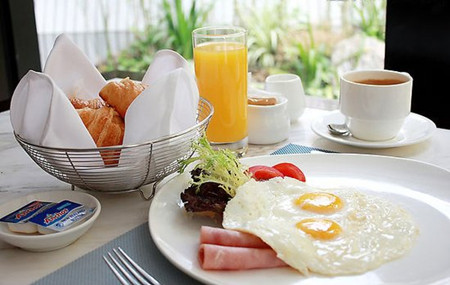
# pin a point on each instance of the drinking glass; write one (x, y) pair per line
(220, 60)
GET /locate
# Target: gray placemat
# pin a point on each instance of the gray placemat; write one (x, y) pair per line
(138, 243)
(295, 148)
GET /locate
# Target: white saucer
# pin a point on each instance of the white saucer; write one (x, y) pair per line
(416, 129)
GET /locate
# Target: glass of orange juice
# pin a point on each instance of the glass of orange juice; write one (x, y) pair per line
(220, 60)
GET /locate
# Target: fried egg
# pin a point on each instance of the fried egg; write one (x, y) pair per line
(327, 231)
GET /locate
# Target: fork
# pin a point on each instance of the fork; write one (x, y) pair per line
(138, 275)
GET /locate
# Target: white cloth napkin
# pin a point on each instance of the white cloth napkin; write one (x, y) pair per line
(42, 114)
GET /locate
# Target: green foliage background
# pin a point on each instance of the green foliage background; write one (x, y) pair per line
(279, 40)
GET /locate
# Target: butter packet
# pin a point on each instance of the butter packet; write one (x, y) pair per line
(18, 221)
(61, 216)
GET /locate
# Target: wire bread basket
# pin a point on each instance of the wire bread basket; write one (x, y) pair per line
(120, 169)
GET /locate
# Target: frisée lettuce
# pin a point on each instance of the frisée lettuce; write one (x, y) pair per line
(217, 166)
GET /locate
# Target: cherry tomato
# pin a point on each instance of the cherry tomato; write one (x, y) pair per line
(290, 170)
(262, 172)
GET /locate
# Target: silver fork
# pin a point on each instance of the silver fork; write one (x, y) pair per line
(138, 275)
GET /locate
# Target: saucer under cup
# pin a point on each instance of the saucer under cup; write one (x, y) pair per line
(415, 129)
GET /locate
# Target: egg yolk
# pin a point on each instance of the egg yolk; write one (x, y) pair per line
(323, 229)
(319, 202)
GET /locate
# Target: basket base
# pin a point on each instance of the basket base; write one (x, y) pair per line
(147, 193)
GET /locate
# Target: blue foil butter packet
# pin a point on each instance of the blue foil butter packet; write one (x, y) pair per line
(23, 214)
(61, 216)
(17, 221)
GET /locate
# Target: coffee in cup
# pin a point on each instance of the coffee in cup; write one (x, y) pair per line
(375, 103)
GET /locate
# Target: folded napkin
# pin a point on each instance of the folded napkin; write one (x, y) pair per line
(42, 114)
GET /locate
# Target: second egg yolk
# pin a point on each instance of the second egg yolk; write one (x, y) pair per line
(323, 229)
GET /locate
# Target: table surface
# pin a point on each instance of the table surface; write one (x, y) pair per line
(19, 176)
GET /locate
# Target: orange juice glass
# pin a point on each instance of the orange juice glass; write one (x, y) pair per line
(220, 59)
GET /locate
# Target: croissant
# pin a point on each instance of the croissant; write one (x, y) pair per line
(92, 103)
(121, 94)
(106, 127)
(104, 124)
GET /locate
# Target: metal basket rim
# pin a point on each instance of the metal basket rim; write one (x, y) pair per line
(122, 147)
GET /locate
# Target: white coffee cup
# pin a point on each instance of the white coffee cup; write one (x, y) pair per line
(375, 103)
(289, 86)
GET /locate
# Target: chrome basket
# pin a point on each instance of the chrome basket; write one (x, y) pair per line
(121, 168)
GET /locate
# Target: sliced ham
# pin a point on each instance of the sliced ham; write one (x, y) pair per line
(218, 257)
(218, 236)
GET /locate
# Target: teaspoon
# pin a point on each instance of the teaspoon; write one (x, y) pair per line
(339, 129)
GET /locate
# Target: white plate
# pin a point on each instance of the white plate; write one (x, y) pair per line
(53, 241)
(422, 189)
(416, 129)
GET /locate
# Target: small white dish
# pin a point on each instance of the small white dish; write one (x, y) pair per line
(268, 124)
(415, 129)
(53, 241)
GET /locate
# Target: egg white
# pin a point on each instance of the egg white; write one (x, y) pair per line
(374, 230)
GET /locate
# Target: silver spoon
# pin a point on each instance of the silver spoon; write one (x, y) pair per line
(339, 129)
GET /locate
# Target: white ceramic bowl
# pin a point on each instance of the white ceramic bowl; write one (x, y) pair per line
(37, 242)
(268, 124)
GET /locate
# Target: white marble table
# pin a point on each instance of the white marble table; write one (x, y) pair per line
(19, 175)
